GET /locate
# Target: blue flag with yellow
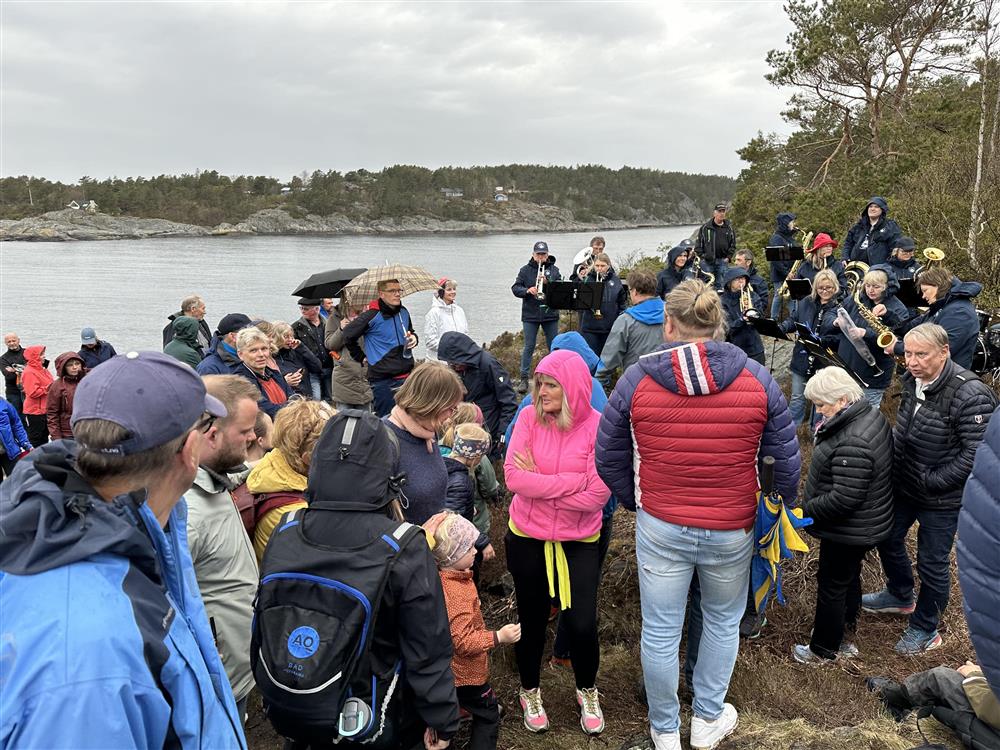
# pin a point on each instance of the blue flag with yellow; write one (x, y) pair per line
(777, 533)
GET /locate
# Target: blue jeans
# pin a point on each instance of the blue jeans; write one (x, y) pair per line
(550, 328)
(668, 555)
(719, 268)
(596, 341)
(935, 537)
(384, 394)
(874, 396)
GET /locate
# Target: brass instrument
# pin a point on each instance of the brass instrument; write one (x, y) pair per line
(584, 263)
(540, 283)
(884, 334)
(783, 291)
(709, 278)
(934, 256)
(855, 272)
(746, 302)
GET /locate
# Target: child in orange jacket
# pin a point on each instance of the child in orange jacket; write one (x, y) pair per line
(454, 550)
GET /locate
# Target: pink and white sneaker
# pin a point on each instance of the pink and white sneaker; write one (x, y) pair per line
(535, 718)
(591, 716)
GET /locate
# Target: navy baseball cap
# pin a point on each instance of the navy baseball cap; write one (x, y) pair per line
(232, 323)
(152, 395)
(541, 247)
(906, 243)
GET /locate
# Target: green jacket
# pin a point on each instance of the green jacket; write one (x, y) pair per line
(984, 701)
(184, 345)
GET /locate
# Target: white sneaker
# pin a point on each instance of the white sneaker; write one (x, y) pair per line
(665, 740)
(706, 735)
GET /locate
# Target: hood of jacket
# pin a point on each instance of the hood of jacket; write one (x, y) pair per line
(782, 221)
(963, 289)
(674, 253)
(572, 341)
(736, 272)
(273, 473)
(881, 203)
(457, 348)
(570, 371)
(186, 330)
(33, 356)
(893, 286)
(710, 365)
(649, 311)
(64, 359)
(51, 517)
(438, 302)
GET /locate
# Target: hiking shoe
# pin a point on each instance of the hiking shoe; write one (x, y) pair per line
(805, 655)
(591, 716)
(665, 740)
(752, 625)
(847, 650)
(706, 735)
(522, 387)
(884, 603)
(558, 662)
(535, 718)
(891, 695)
(916, 641)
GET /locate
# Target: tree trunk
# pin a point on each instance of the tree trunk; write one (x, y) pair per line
(974, 210)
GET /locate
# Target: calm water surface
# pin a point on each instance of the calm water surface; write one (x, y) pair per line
(126, 289)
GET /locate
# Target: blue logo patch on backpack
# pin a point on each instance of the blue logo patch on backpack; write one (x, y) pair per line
(303, 642)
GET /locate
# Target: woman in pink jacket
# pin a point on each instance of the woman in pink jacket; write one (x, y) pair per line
(555, 521)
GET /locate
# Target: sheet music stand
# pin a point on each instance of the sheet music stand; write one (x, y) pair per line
(799, 288)
(784, 252)
(574, 295)
(767, 327)
(811, 343)
(909, 293)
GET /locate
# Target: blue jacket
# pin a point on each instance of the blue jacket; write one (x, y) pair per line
(978, 542)
(818, 319)
(12, 433)
(91, 358)
(105, 640)
(782, 237)
(872, 244)
(531, 310)
(809, 271)
(384, 330)
(574, 342)
(956, 313)
(223, 359)
(613, 303)
(895, 317)
(739, 332)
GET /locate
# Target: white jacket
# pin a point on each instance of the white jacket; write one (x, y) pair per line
(439, 319)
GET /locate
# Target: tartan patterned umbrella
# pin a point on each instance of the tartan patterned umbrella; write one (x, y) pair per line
(364, 287)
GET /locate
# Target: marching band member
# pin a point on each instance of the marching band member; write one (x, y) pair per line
(820, 257)
(595, 325)
(740, 304)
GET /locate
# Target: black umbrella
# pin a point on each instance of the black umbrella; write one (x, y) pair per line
(327, 283)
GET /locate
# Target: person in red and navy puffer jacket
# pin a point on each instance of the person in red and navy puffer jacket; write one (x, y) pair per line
(680, 442)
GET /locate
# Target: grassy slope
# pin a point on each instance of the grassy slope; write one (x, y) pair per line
(783, 705)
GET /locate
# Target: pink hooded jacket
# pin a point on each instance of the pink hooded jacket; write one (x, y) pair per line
(562, 501)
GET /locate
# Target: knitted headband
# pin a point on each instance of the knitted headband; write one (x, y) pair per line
(453, 538)
(471, 441)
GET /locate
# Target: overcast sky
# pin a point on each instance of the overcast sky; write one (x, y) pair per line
(146, 88)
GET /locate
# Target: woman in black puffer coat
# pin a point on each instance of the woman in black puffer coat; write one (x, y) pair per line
(849, 497)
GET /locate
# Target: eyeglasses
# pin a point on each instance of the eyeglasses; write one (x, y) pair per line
(826, 289)
(392, 291)
(205, 423)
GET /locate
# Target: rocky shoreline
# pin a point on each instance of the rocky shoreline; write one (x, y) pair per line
(74, 225)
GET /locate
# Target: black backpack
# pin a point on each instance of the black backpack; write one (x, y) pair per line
(316, 607)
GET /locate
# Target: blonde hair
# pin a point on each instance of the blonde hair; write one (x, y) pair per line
(431, 388)
(564, 419)
(695, 310)
(828, 276)
(603, 258)
(465, 413)
(278, 336)
(876, 277)
(267, 328)
(297, 429)
(250, 335)
(831, 384)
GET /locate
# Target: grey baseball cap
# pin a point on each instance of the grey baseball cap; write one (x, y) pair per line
(88, 336)
(152, 395)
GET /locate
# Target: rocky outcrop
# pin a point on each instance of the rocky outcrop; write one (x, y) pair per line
(511, 217)
(81, 225)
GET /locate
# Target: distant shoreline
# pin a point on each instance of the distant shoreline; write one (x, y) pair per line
(80, 226)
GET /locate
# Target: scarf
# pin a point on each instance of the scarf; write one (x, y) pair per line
(401, 419)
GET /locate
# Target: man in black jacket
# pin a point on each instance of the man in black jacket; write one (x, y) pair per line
(716, 244)
(310, 329)
(13, 365)
(942, 418)
(487, 383)
(192, 306)
(535, 313)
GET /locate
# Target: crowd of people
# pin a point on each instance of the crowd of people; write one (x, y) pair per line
(306, 507)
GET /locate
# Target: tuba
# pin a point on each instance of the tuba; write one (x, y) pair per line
(855, 272)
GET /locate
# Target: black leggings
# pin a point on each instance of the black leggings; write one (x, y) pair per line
(481, 702)
(526, 563)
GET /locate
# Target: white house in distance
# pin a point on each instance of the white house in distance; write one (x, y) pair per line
(286, 190)
(88, 206)
(498, 194)
(453, 192)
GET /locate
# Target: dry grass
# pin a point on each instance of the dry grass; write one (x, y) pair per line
(783, 705)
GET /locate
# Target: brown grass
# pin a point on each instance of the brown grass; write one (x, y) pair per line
(783, 705)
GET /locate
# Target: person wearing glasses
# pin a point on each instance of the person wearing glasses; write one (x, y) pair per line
(389, 339)
(224, 561)
(878, 298)
(817, 312)
(106, 639)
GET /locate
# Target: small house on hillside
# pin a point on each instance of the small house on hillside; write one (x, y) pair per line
(453, 192)
(286, 190)
(89, 206)
(500, 198)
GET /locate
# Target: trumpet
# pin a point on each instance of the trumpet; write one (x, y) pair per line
(783, 290)
(746, 302)
(540, 284)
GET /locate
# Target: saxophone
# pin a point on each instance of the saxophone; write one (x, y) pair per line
(884, 334)
(709, 278)
(783, 291)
